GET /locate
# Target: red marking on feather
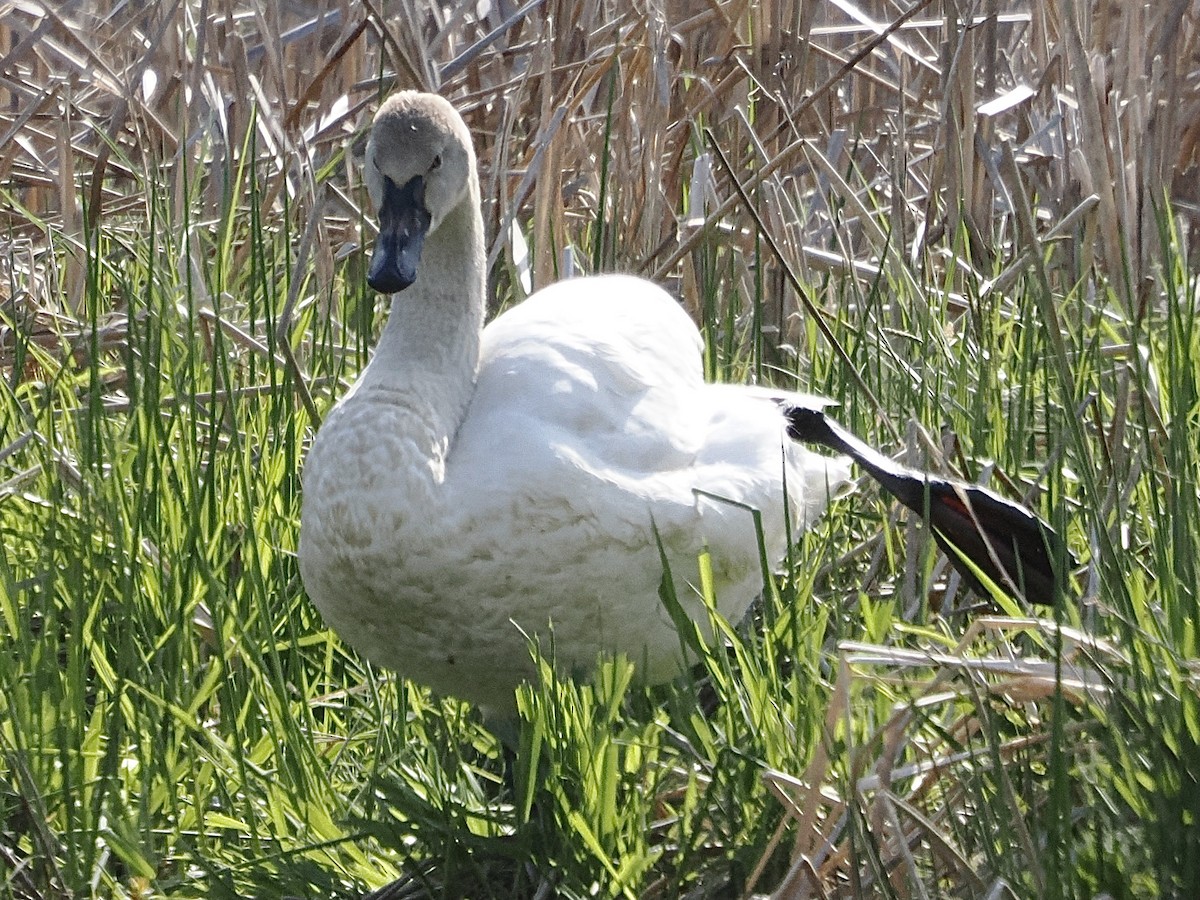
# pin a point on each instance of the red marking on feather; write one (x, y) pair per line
(955, 502)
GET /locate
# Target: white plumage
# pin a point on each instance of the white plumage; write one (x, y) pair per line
(478, 485)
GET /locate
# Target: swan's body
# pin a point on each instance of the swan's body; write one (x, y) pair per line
(477, 486)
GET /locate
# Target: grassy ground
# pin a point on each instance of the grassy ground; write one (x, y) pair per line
(975, 233)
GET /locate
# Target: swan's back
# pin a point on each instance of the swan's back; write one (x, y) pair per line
(587, 440)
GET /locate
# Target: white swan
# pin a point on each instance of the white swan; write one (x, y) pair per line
(478, 485)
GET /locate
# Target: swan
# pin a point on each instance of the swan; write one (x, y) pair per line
(477, 486)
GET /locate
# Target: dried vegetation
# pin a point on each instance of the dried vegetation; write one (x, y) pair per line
(876, 136)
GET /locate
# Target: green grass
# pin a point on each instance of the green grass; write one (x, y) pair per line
(175, 720)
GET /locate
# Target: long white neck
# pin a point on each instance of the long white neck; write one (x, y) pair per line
(429, 349)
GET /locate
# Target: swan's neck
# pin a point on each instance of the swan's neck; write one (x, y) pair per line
(429, 350)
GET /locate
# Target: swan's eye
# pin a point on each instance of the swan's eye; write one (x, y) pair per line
(436, 164)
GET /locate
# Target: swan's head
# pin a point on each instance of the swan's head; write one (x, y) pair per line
(418, 168)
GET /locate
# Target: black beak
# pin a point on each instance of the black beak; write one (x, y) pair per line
(403, 224)
(1010, 545)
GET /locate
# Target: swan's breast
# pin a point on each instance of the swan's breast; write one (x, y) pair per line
(370, 468)
(372, 481)
(443, 574)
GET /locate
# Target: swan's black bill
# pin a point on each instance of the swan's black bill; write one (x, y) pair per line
(403, 223)
(1006, 542)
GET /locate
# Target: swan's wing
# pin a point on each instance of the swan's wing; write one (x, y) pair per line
(600, 365)
(590, 439)
(591, 407)
(588, 396)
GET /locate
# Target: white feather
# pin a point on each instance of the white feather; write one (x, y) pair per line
(474, 489)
